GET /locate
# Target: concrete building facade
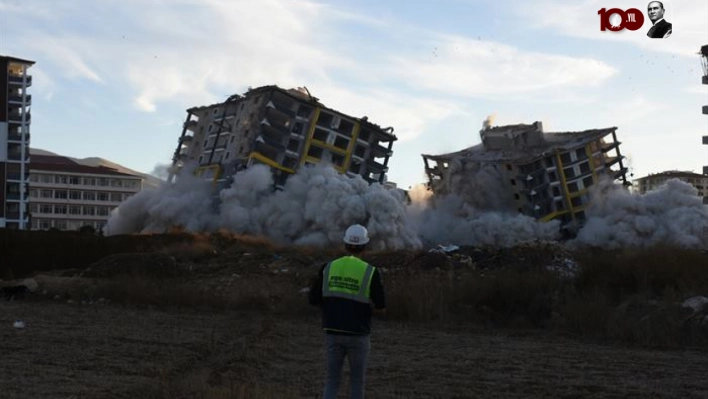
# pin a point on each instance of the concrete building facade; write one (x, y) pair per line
(546, 175)
(284, 129)
(15, 118)
(66, 195)
(654, 181)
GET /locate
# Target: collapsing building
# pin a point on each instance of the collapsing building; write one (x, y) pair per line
(284, 129)
(545, 175)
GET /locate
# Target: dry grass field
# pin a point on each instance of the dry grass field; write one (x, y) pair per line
(218, 316)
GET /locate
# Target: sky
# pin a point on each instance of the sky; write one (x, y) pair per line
(113, 79)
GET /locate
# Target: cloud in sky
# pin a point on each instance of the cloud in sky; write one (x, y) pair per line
(198, 52)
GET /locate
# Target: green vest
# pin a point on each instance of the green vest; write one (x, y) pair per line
(347, 277)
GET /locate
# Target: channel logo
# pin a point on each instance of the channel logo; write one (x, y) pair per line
(633, 19)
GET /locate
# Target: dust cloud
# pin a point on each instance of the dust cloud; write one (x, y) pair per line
(317, 204)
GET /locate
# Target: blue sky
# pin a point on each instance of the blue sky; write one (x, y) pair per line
(114, 78)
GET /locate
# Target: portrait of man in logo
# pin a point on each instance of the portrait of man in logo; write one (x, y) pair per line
(660, 29)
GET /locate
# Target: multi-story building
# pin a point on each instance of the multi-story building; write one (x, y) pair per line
(67, 195)
(704, 63)
(546, 175)
(284, 129)
(15, 119)
(656, 180)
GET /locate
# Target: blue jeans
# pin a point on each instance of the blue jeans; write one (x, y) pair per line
(356, 349)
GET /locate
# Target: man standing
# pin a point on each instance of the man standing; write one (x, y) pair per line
(660, 29)
(346, 288)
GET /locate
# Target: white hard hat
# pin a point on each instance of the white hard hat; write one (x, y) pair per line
(356, 235)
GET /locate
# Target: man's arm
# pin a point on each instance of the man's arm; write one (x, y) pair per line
(378, 296)
(315, 294)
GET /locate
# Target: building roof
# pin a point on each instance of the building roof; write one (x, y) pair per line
(301, 94)
(673, 174)
(14, 59)
(562, 141)
(50, 163)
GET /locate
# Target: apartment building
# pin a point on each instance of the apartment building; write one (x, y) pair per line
(66, 195)
(656, 180)
(546, 175)
(284, 129)
(15, 118)
(704, 63)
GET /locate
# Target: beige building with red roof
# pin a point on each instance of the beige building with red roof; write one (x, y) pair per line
(66, 195)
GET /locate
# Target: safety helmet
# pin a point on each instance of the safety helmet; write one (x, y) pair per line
(356, 235)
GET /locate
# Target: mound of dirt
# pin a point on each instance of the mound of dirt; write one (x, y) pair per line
(154, 265)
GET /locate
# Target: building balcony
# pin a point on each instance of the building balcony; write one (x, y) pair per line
(274, 132)
(16, 156)
(379, 151)
(12, 215)
(607, 147)
(16, 117)
(281, 108)
(17, 138)
(12, 196)
(375, 167)
(186, 139)
(19, 80)
(19, 99)
(267, 144)
(191, 125)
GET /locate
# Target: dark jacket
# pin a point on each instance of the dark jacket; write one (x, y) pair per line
(345, 316)
(659, 29)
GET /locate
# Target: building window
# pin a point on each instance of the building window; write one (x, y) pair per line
(61, 194)
(569, 173)
(32, 193)
(45, 208)
(62, 179)
(297, 128)
(320, 135)
(556, 191)
(47, 194)
(560, 205)
(102, 196)
(572, 187)
(576, 202)
(552, 176)
(89, 210)
(45, 224)
(565, 158)
(47, 179)
(294, 145)
(585, 167)
(341, 142)
(360, 151)
(103, 182)
(338, 160)
(74, 210)
(517, 197)
(75, 180)
(587, 182)
(116, 197)
(89, 196)
(89, 181)
(102, 211)
(549, 162)
(315, 152)
(512, 181)
(34, 208)
(34, 178)
(75, 195)
(60, 209)
(508, 167)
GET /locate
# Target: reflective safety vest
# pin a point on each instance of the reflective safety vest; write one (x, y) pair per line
(347, 277)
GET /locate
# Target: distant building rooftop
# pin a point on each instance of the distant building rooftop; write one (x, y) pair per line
(522, 143)
(673, 173)
(63, 164)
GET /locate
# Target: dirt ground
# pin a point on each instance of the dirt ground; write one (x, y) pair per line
(112, 351)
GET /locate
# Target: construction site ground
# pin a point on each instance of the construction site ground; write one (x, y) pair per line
(235, 323)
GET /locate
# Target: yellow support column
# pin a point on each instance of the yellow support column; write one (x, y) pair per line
(564, 183)
(352, 145)
(310, 133)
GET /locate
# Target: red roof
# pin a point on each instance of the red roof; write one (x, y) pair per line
(50, 163)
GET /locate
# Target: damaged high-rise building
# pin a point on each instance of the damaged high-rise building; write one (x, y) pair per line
(543, 175)
(284, 129)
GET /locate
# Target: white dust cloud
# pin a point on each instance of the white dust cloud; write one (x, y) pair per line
(673, 214)
(317, 204)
